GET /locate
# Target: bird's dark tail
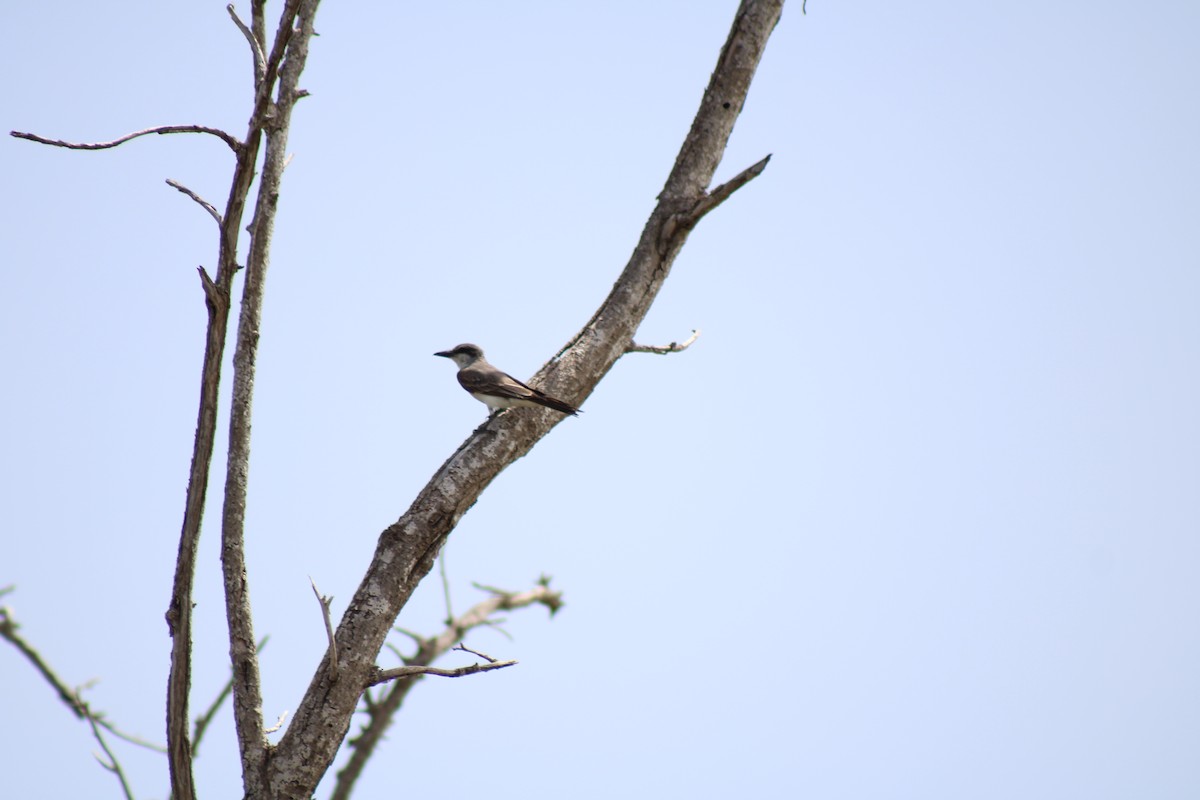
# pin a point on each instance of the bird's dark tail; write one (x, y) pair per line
(551, 402)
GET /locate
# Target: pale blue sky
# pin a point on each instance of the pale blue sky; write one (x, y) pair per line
(916, 517)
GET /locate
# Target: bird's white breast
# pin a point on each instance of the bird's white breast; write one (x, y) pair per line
(492, 401)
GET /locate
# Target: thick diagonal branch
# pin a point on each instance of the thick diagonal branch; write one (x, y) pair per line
(406, 550)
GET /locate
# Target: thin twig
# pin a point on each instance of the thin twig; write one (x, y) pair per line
(8, 630)
(260, 60)
(207, 206)
(333, 655)
(70, 697)
(383, 707)
(445, 585)
(229, 139)
(462, 647)
(205, 719)
(504, 600)
(417, 638)
(128, 737)
(385, 675)
(113, 765)
(498, 626)
(662, 350)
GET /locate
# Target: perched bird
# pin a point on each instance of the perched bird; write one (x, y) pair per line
(494, 388)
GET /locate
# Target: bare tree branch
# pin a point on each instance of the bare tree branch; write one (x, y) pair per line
(71, 698)
(406, 550)
(260, 60)
(291, 39)
(230, 140)
(386, 675)
(445, 586)
(8, 630)
(381, 711)
(258, 22)
(325, 603)
(217, 300)
(662, 350)
(113, 765)
(464, 649)
(720, 194)
(207, 206)
(205, 719)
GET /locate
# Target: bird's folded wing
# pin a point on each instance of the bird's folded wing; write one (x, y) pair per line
(498, 383)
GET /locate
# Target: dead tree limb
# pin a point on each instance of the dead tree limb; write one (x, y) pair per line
(382, 711)
(326, 602)
(270, 117)
(273, 117)
(273, 111)
(397, 673)
(229, 139)
(217, 296)
(71, 698)
(407, 549)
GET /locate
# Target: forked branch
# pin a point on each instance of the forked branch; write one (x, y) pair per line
(382, 710)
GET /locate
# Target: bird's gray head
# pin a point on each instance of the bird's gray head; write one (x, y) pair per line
(464, 355)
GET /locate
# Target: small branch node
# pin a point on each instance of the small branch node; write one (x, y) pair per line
(113, 765)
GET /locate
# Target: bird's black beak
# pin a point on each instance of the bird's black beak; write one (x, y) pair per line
(443, 354)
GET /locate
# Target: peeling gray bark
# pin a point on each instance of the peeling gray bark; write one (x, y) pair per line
(406, 550)
(243, 653)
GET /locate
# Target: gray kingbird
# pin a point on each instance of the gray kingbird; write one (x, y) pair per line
(496, 389)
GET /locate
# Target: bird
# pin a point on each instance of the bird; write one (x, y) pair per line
(495, 389)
